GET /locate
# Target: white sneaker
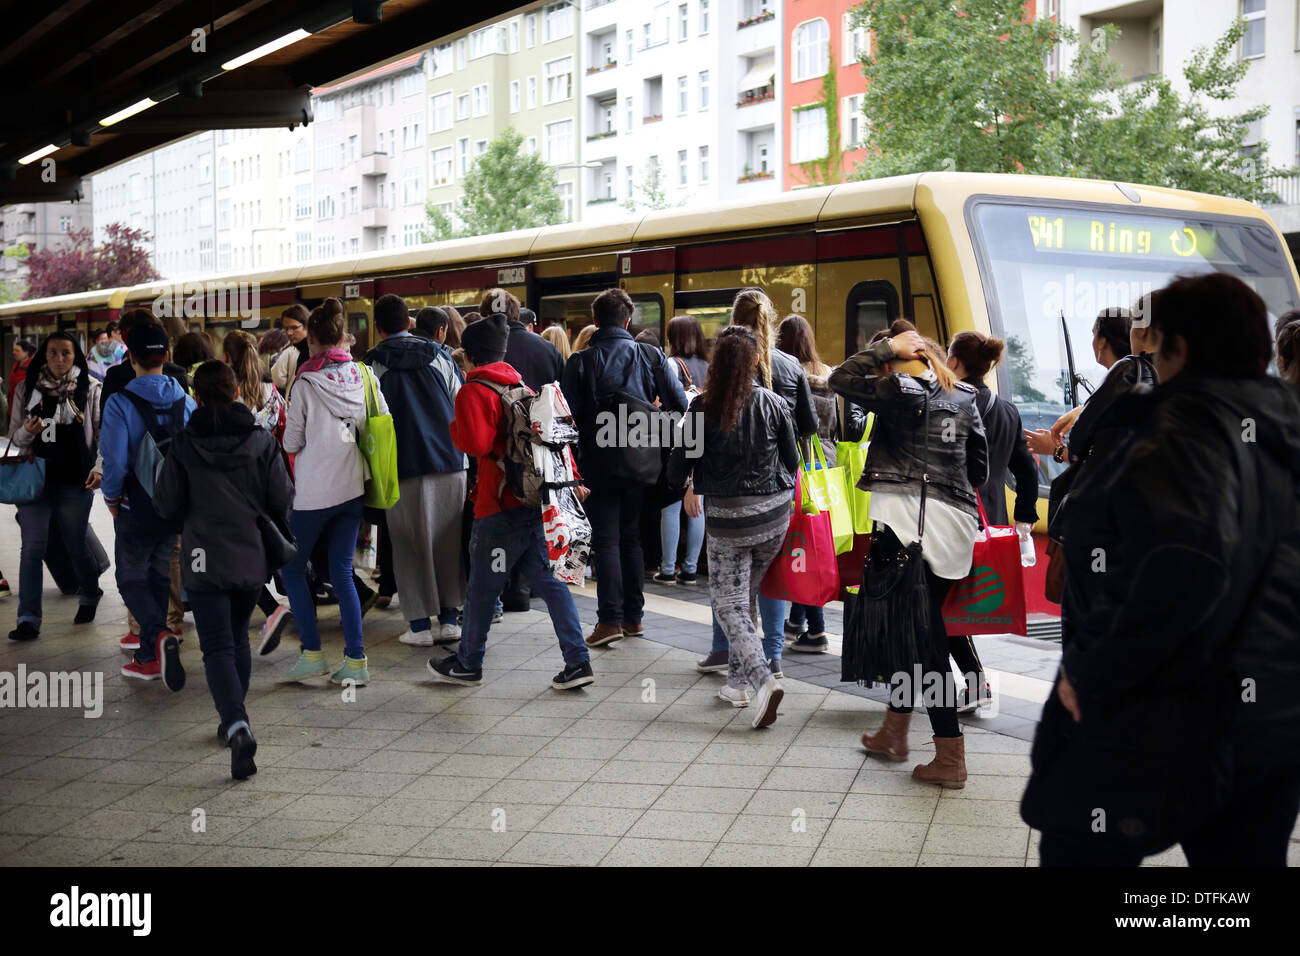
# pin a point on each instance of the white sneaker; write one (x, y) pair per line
(765, 703)
(735, 696)
(448, 633)
(417, 638)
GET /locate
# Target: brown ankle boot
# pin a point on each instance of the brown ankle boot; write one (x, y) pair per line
(890, 741)
(948, 768)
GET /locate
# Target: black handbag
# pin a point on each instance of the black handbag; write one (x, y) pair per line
(888, 621)
(278, 542)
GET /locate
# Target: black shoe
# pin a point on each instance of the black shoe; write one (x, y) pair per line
(4, 588)
(811, 644)
(242, 749)
(25, 631)
(795, 630)
(775, 666)
(448, 669)
(368, 597)
(684, 578)
(515, 606)
(169, 653)
(667, 580)
(85, 613)
(221, 735)
(573, 676)
(716, 662)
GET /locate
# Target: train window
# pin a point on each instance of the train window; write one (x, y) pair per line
(573, 311)
(870, 307)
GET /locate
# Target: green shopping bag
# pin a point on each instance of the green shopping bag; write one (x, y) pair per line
(379, 448)
(852, 456)
(828, 489)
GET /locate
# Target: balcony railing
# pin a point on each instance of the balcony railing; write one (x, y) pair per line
(755, 177)
(605, 135)
(1285, 189)
(600, 69)
(760, 18)
(756, 96)
(602, 200)
(652, 119)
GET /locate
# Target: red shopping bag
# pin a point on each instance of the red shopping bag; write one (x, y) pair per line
(850, 562)
(991, 599)
(805, 571)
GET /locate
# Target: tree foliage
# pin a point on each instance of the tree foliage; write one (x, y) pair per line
(650, 193)
(966, 87)
(505, 188)
(79, 264)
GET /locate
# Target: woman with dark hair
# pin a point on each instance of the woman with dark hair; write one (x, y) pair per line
(327, 416)
(269, 346)
(647, 337)
(1288, 346)
(745, 476)
(191, 350)
(455, 326)
(972, 356)
(1175, 705)
(945, 453)
(55, 416)
(688, 358)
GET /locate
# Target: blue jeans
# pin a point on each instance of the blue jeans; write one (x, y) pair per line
(670, 523)
(338, 525)
(772, 613)
(815, 616)
(515, 540)
(144, 562)
(221, 618)
(70, 507)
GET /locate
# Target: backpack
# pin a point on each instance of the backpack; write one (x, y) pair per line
(640, 463)
(539, 438)
(142, 474)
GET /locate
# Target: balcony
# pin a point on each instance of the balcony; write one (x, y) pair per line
(374, 164)
(374, 217)
(652, 119)
(756, 96)
(752, 177)
(1284, 190)
(602, 68)
(759, 18)
(608, 134)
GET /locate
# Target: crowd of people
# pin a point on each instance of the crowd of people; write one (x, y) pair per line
(236, 470)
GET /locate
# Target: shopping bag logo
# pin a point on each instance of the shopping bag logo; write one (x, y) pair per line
(368, 444)
(981, 593)
(794, 545)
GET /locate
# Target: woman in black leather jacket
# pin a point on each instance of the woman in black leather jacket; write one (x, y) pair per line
(745, 475)
(892, 378)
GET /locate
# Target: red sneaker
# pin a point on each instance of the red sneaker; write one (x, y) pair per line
(150, 671)
(130, 642)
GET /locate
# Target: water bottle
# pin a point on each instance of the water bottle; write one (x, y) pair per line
(1028, 557)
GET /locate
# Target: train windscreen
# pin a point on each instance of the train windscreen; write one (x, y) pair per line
(1041, 263)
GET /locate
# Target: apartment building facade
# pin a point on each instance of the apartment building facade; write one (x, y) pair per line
(38, 225)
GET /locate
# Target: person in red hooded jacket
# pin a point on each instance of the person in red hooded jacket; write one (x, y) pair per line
(507, 535)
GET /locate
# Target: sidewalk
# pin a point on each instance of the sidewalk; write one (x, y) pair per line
(645, 767)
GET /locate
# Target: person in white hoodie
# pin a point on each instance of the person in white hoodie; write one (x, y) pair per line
(327, 414)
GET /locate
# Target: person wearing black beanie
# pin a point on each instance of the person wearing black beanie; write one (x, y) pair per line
(484, 341)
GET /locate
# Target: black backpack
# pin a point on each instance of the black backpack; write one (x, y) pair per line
(640, 463)
(142, 473)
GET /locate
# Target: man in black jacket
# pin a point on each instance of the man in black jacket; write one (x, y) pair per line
(614, 364)
(1176, 710)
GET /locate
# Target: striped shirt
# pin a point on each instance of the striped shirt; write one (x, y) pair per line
(747, 519)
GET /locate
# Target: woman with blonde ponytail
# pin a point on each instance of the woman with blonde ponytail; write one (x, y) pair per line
(783, 374)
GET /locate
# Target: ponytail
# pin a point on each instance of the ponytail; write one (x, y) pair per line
(933, 355)
(977, 352)
(754, 310)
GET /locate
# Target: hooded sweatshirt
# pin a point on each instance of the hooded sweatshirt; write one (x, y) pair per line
(420, 382)
(122, 428)
(327, 411)
(221, 472)
(478, 430)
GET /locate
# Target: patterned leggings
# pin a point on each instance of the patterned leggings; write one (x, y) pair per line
(735, 572)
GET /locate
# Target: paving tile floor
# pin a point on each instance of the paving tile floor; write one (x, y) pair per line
(646, 767)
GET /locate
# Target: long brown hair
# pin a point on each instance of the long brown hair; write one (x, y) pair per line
(932, 356)
(686, 338)
(731, 375)
(754, 310)
(240, 353)
(794, 337)
(455, 326)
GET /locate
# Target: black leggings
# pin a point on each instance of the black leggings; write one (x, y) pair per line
(934, 655)
(962, 650)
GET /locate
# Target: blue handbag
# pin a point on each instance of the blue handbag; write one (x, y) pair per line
(22, 477)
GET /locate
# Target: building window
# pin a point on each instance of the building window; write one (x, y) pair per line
(627, 56)
(325, 247)
(481, 100)
(811, 44)
(412, 83)
(223, 214)
(412, 190)
(440, 63)
(532, 92)
(352, 202)
(855, 40)
(682, 97)
(480, 147)
(324, 155)
(302, 201)
(462, 106)
(628, 103)
(514, 36)
(559, 80)
(440, 112)
(681, 167)
(223, 174)
(530, 145)
(223, 257)
(704, 17)
(704, 89)
(514, 96)
(558, 142)
(557, 22)
(854, 122)
(460, 60)
(704, 164)
(530, 29)
(441, 161)
(411, 131)
(462, 154)
(487, 41)
(683, 22)
(629, 179)
(565, 192)
(809, 140)
(205, 255)
(325, 206)
(1252, 44)
(65, 223)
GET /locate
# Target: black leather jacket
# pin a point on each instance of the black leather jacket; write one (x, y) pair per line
(791, 383)
(958, 460)
(756, 457)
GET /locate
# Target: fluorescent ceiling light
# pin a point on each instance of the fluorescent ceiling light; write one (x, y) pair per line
(33, 157)
(266, 48)
(131, 110)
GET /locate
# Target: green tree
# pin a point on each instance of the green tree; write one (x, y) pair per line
(1020, 366)
(966, 87)
(650, 193)
(830, 168)
(506, 188)
(11, 290)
